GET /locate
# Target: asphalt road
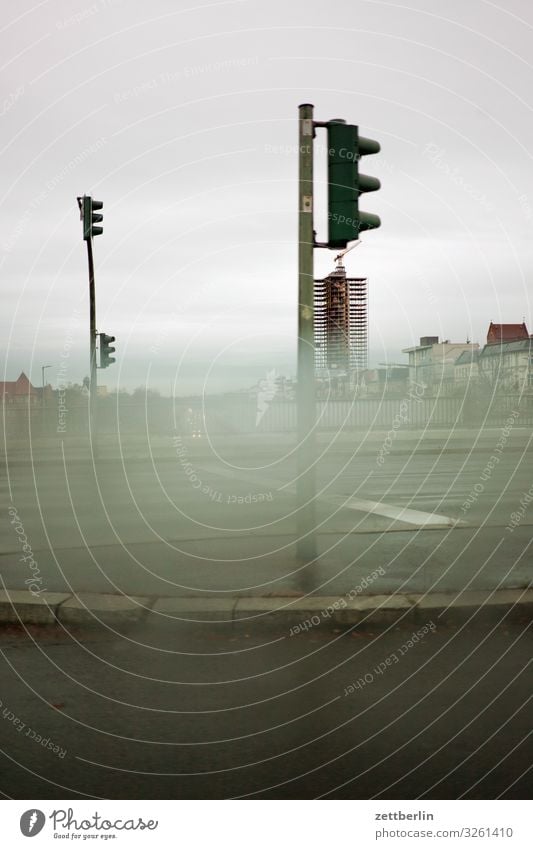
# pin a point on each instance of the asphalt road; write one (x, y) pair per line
(175, 710)
(219, 517)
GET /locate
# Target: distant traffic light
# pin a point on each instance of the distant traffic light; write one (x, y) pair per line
(345, 183)
(106, 349)
(90, 218)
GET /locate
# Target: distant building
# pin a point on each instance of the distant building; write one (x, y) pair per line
(388, 381)
(498, 333)
(507, 366)
(466, 369)
(340, 326)
(505, 363)
(20, 391)
(432, 363)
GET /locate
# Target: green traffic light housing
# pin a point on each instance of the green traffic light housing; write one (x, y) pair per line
(90, 218)
(106, 350)
(346, 184)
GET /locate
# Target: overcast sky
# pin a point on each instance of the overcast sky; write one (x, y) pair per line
(182, 118)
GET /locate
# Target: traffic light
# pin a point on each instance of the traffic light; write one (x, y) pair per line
(106, 349)
(345, 183)
(90, 218)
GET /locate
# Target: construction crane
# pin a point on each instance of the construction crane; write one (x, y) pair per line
(338, 258)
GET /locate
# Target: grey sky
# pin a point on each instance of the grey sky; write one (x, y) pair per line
(181, 117)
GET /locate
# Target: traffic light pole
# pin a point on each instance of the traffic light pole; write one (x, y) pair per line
(93, 386)
(306, 411)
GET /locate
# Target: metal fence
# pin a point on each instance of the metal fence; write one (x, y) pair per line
(242, 414)
(373, 414)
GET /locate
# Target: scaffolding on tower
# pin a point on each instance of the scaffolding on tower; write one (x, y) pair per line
(341, 324)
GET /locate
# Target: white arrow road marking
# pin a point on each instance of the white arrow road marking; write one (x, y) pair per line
(401, 514)
(378, 508)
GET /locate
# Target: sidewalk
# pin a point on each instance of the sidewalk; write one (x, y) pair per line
(398, 561)
(356, 576)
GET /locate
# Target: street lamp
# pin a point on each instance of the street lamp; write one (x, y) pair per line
(42, 375)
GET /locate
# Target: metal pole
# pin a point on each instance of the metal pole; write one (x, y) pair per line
(43, 399)
(93, 386)
(306, 413)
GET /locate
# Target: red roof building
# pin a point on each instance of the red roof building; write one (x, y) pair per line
(18, 391)
(498, 333)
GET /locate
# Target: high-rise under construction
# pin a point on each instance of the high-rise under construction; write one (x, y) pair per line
(341, 323)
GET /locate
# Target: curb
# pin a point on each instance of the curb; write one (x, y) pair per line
(20, 607)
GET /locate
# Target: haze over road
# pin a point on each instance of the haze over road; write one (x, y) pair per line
(219, 515)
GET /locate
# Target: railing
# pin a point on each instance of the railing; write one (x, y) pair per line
(242, 414)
